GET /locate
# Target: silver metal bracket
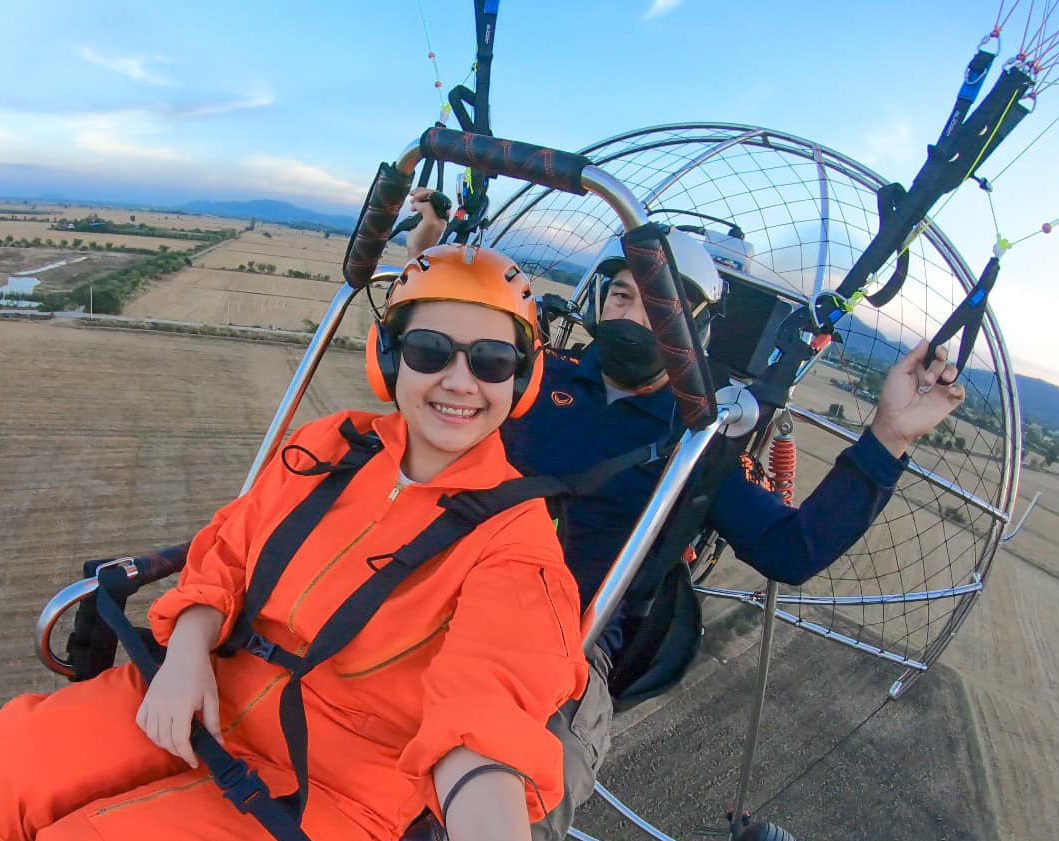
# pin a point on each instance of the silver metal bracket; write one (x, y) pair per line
(743, 410)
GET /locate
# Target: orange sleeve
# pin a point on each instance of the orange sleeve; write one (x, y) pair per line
(215, 571)
(511, 657)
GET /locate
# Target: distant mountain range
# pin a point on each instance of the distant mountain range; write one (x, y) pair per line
(1039, 399)
(269, 210)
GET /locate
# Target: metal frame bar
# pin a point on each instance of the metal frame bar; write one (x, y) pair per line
(933, 478)
(884, 598)
(754, 727)
(679, 467)
(303, 375)
(620, 807)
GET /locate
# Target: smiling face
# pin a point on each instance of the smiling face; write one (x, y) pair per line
(450, 411)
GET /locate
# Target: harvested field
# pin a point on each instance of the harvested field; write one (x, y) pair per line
(159, 219)
(286, 248)
(31, 230)
(120, 441)
(252, 299)
(117, 441)
(246, 299)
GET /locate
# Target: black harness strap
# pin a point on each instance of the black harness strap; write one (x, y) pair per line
(239, 783)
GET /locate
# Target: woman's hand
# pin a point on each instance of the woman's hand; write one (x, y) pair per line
(915, 399)
(185, 684)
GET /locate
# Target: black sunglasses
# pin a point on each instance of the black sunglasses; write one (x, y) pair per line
(490, 360)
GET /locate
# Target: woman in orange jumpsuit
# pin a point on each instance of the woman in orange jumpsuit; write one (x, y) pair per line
(461, 666)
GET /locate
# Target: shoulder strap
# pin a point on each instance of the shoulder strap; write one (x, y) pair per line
(297, 526)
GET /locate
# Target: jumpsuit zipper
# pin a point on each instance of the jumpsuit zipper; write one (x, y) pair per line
(154, 795)
(400, 654)
(555, 613)
(239, 716)
(330, 564)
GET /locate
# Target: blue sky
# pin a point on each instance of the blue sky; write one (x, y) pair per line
(173, 102)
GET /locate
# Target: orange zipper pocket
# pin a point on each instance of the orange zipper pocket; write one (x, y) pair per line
(555, 613)
(389, 661)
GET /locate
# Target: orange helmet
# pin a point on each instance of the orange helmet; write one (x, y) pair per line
(472, 275)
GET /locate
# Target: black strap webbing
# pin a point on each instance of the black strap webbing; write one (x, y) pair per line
(241, 785)
(967, 316)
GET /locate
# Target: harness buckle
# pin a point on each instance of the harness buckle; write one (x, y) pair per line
(261, 647)
(241, 785)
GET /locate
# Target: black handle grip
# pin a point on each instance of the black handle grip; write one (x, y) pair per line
(496, 156)
(387, 194)
(653, 268)
(162, 563)
(967, 317)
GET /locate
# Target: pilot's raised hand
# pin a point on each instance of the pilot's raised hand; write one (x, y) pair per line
(915, 398)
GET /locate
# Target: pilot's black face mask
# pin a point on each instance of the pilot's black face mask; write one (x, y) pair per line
(628, 353)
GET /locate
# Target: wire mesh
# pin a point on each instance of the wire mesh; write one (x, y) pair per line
(775, 188)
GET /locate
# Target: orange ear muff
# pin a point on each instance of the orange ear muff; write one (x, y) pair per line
(527, 386)
(381, 359)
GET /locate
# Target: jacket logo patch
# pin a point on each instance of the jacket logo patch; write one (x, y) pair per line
(561, 398)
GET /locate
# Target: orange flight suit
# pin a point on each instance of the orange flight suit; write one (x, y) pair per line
(477, 648)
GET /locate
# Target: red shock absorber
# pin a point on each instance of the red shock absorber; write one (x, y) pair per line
(783, 457)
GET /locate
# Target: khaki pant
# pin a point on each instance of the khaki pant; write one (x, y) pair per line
(583, 727)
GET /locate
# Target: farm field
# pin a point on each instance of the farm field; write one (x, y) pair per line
(286, 248)
(32, 230)
(118, 441)
(253, 299)
(152, 218)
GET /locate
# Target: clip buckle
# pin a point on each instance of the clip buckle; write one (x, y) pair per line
(261, 647)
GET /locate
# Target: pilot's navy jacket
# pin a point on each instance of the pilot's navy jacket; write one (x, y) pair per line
(572, 427)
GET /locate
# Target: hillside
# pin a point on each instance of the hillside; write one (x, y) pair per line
(268, 210)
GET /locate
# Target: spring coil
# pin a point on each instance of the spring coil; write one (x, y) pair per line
(783, 457)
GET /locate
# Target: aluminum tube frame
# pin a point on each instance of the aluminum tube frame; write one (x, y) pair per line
(653, 831)
(57, 605)
(675, 476)
(828, 633)
(932, 478)
(695, 162)
(754, 728)
(825, 223)
(574, 832)
(854, 601)
(303, 375)
(620, 198)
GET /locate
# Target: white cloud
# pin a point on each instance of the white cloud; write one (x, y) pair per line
(894, 150)
(287, 175)
(133, 67)
(262, 100)
(125, 135)
(661, 7)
